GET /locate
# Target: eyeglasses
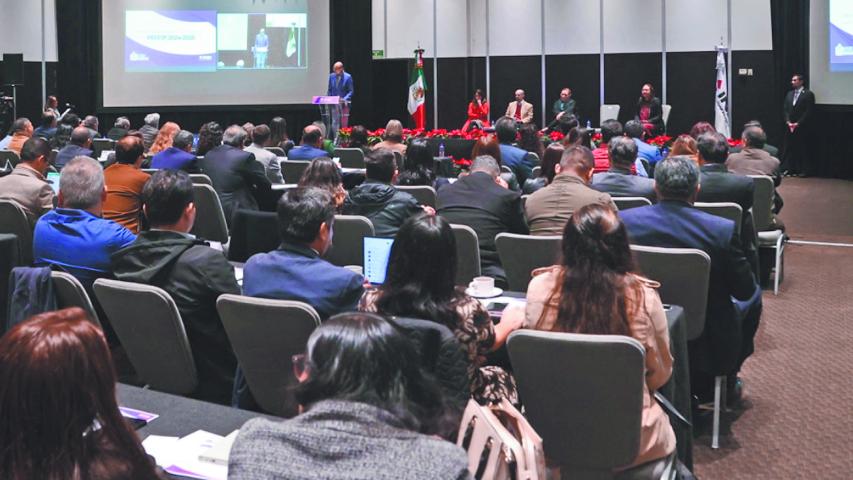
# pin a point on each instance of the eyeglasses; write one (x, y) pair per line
(300, 367)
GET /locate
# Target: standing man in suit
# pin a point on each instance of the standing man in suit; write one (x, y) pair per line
(237, 177)
(797, 108)
(734, 299)
(340, 85)
(519, 109)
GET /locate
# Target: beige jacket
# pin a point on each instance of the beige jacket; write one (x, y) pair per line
(29, 189)
(526, 111)
(548, 209)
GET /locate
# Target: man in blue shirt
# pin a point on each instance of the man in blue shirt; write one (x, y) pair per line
(513, 157)
(179, 156)
(74, 237)
(651, 153)
(311, 147)
(340, 85)
(296, 270)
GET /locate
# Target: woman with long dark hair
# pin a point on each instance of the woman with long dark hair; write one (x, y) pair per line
(418, 166)
(530, 141)
(421, 283)
(578, 137)
(547, 172)
(369, 412)
(478, 111)
(323, 173)
(358, 138)
(209, 137)
(650, 111)
(595, 290)
(58, 413)
(278, 135)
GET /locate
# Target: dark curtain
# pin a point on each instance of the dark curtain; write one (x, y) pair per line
(352, 44)
(78, 37)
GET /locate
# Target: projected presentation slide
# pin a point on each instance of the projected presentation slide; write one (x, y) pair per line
(841, 36)
(206, 40)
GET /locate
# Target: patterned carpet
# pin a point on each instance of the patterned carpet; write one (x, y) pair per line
(797, 417)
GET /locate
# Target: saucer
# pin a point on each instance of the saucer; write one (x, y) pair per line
(494, 293)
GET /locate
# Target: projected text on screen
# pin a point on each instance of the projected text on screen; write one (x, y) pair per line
(841, 36)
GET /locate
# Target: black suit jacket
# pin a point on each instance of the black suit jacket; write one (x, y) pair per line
(237, 177)
(478, 202)
(623, 184)
(801, 112)
(718, 185)
(655, 113)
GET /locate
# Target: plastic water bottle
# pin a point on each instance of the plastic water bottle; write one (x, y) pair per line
(588, 124)
(441, 149)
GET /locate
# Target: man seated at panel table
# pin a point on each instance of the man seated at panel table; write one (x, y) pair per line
(311, 146)
(619, 181)
(296, 270)
(26, 184)
(179, 156)
(520, 110)
(734, 299)
(194, 274)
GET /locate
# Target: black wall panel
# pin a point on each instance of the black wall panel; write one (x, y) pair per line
(581, 74)
(511, 73)
(30, 103)
(457, 80)
(754, 97)
(624, 76)
(691, 78)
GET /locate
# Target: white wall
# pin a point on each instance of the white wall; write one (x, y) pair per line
(20, 29)
(571, 26)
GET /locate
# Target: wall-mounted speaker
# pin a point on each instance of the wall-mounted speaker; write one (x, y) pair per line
(13, 69)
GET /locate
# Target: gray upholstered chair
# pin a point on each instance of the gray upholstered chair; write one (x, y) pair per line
(348, 242)
(521, 254)
(424, 194)
(201, 178)
(70, 293)
(768, 236)
(350, 157)
(13, 220)
(467, 254)
(624, 203)
(210, 219)
(728, 210)
(292, 170)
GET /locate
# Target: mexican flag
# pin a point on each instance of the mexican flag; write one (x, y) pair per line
(721, 112)
(417, 92)
(291, 42)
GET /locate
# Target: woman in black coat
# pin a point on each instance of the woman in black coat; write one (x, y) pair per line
(649, 111)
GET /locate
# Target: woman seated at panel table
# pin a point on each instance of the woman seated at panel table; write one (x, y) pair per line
(595, 290)
(478, 111)
(58, 413)
(650, 111)
(369, 412)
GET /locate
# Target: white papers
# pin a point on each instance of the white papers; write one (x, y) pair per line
(105, 155)
(181, 456)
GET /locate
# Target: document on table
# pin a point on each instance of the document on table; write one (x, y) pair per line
(182, 456)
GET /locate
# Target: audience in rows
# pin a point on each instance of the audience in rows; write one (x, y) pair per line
(79, 146)
(618, 181)
(26, 185)
(311, 146)
(124, 181)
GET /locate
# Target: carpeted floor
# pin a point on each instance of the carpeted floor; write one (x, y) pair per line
(797, 417)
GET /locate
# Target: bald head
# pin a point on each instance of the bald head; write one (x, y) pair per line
(338, 68)
(80, 136)
(312, 135)
(519, 94)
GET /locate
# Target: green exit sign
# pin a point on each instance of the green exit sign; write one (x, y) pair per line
(378, 54)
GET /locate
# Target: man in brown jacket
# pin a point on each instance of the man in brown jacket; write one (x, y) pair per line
(26, 185)
(755, 160)
(549, 208)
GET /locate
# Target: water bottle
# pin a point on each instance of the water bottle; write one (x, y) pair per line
(588, 124)
(441, 149)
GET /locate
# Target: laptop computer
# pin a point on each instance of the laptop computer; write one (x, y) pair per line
(377, 251)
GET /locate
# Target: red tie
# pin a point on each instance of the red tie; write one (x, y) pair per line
(518, 111)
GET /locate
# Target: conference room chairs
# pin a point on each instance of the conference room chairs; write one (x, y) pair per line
(533, 159)
(728, 210)
(13, 220)
(608, 112)
(624, 203)
(70, 293)
(210, 219)
(536, 172)
(424, 194)
(9, 159)
(265, 334)
(348, 242)
(201, 178)
(252, 232)
(278, 151)
(150, 171)
(590, 418)
(101, 144)
(8, 260)
(521, 254)
(350, 157)
(467, 254)
(768, 236)
(149, 327)
(292, 170)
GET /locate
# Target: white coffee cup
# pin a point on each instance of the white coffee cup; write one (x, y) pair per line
(482, 285)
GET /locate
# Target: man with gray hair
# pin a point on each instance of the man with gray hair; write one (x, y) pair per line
(179, 156)
(120, 128)
(734, 299)
(150, 129)
(754, 159)
(619, 181)
(74, 237)
(239, 179)
(91, 122)
(482, 201)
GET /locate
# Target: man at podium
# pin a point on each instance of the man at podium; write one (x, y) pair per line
(340, 85)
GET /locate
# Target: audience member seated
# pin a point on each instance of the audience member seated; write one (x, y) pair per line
(91, 123)
(47, 126)
(26, 185)
(754, 159)
(296, 270)
(328, 144)
(235, 174)
(634, 130)
(62, 136)
(120, 129)
(58, 404)
(392, 139)
(701, 128)
(595, 290)
(490, 147)
(378, 199)
(311, 147)
(179, 156)
(194, 274)
(414, 288)
(418, 165)
(773, 151)
(550, 159)
(164, 137)
(358, 139)
(549, 209)
(22, 130)
(530, 141)
(209, 137)
(278, 135)
(249, 127)
(619, 181)
(512, 156)
(369, 411)
(579, 137)
(79, 146)
(260, 137)
(124, 181)
(323, 173)
(718, 185)
(734, 299)
(74, 237)
(482, 201)
(150, 129)
(611, 129)
(684, 145)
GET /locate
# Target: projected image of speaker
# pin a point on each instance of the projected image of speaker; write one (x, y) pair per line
(13, 69)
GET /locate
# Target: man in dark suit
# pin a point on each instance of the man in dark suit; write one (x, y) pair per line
(120, 129)
(619, 181)
(482, 201)
(179, 156)
(718, 185)
(797, 108)
(734, 299)
(237, 177)
(77, 147)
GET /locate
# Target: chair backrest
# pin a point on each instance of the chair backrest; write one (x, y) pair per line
(292, 170)
(728, 210)
(624, 203)
(424, 194)
(9, 156)
(101, 144)
(532, 158)
(506, 169)
(265, 334)
(348, 240)
(149, 327)
(398, 157)
(521, 254)
(201, 178)
(13, 220)
(52, 156)
(278, 151)
(665, 109)
(590, 414)
(684, 275)
(762, 202)
(350, 157)
(210, 219)
(536, 172)
(70, 293)
(608, 112)
(252, 232)
(467, 254)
